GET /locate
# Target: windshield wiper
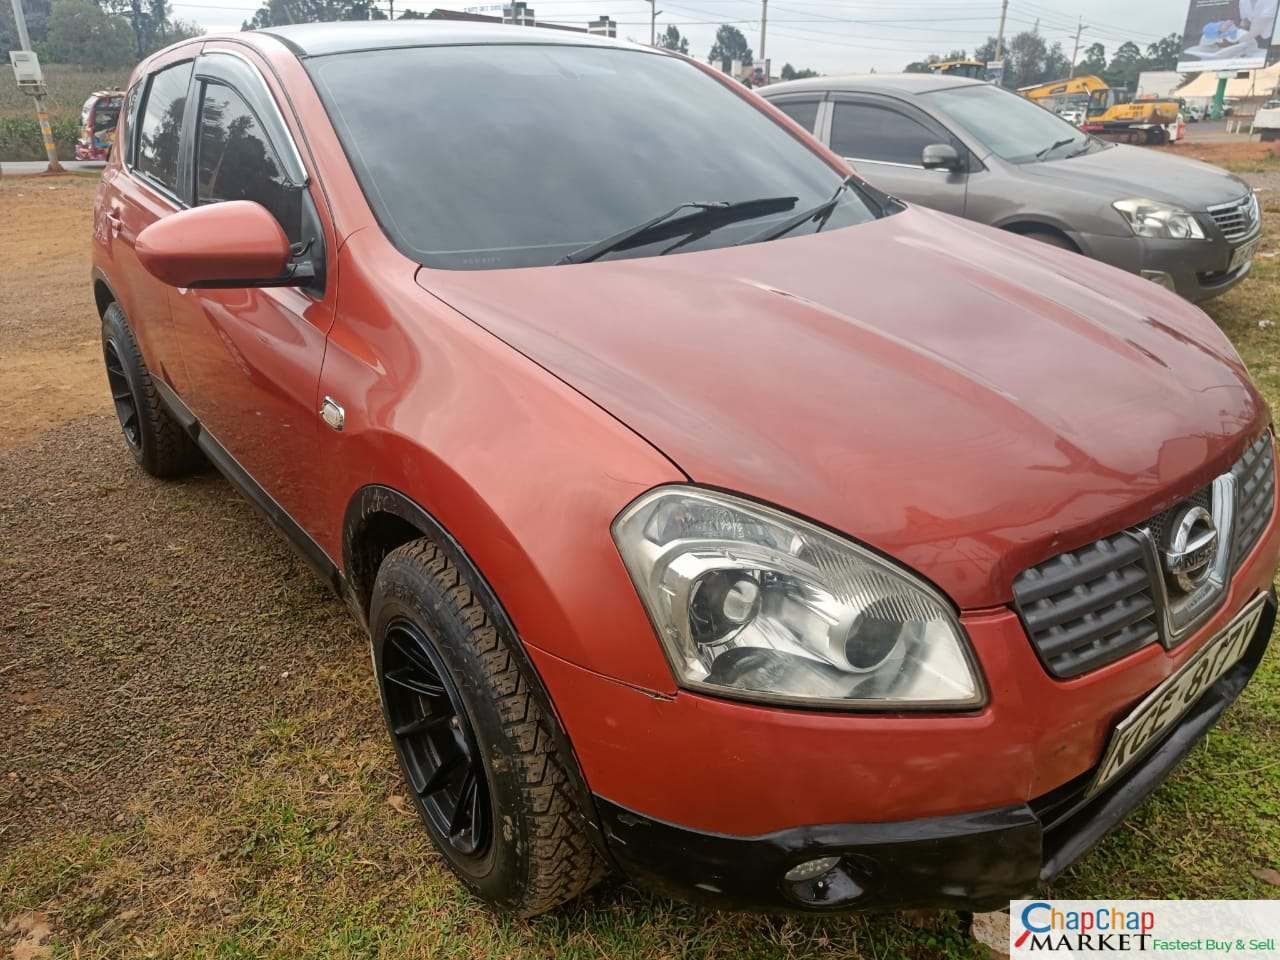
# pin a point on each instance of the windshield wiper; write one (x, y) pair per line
(663, 225)
(823, 210)
(1054, 146)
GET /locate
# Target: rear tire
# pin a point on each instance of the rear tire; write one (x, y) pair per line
(490, 772)
(156, 440)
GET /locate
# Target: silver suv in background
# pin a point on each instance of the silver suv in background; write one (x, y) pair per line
(974, 150)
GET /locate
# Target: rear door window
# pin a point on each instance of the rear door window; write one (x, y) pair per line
(159, 136)
(803, 112)
(236, 161)
(866, 131)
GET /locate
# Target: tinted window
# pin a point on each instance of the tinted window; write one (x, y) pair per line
(131, 121)
(157, 152)
(1010, 126)
(236, 161)
(868, 132)
(514, 155)
(803, 112)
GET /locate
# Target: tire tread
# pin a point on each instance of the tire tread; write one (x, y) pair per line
(564, 860)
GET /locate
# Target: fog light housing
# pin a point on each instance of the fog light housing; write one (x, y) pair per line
(810, 869)
(1162, 278)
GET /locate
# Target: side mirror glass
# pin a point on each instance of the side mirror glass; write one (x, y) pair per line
(232, 244)
(940, 156)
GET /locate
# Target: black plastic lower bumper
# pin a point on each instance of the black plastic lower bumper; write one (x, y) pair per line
(967, 861)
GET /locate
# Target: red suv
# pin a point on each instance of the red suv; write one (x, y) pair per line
(713, 515)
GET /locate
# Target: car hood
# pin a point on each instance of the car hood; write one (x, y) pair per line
(1121, 172)
(963, 399)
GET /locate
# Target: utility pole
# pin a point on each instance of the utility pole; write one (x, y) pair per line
(1004, 10)
(1076, 49)
(42, 115)
(653, 23)
(764, 19)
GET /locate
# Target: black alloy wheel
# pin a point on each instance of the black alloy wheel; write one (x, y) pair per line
(435, 741)
(122, 396)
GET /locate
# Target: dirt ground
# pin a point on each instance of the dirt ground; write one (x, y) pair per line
(140, 621)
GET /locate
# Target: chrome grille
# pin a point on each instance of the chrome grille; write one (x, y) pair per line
(1089, 607)
(1255, 475)
(1237, 219)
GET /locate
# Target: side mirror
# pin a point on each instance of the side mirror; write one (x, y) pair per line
(232, 244)
(940, 156)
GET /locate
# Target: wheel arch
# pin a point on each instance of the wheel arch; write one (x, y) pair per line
(103, 294)
(1027, 225)
(378, 520)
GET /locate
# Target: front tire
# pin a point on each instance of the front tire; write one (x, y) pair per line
(490, 773)
(156, 440)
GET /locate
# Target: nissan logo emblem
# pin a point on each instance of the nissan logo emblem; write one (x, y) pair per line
(1193, 542)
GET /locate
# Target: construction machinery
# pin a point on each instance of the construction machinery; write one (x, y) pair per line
(1108, 113)
(973, 69)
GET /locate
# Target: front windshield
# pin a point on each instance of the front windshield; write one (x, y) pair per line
(1010, 126)
(488, 156)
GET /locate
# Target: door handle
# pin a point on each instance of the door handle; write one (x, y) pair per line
(114, 221)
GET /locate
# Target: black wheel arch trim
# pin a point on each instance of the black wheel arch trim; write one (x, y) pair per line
(375, 499)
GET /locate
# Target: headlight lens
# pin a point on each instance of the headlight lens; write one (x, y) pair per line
(1149, 218)
(751, 602)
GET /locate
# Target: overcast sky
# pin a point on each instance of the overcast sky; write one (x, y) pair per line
(832, 36)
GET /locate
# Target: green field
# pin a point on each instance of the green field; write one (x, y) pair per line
(69, 87)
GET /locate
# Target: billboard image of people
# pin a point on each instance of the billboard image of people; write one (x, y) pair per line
(1227, 35)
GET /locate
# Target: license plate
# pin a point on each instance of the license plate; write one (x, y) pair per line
(1242, 255)
(1166, 704)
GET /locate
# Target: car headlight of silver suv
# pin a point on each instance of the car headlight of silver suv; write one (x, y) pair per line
(1150, 218)
(753, 603)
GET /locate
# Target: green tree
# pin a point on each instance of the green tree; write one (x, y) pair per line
(274, 13)
(1026, 60)
(1125, 66)
(670, 39)
(1164, 54)
(37, 12)
(81, 33)
(1094, 62)
(730, 45)
(1056, 64)
(791, 73)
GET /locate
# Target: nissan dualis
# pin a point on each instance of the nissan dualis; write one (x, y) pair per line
(714, 516)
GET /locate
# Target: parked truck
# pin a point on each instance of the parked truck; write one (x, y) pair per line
(1107, 114)
(1267, 120)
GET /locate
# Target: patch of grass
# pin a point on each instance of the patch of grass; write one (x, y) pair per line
(69, 87)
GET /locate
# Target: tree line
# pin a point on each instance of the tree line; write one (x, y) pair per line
(105, 33)
(1029, 60)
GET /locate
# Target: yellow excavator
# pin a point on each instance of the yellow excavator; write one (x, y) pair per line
(973, 69)
(1106, 113)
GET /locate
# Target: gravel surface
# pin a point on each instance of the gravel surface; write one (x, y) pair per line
(146, 628)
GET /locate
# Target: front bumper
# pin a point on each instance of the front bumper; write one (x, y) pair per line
(975, 860)
(1195, 269)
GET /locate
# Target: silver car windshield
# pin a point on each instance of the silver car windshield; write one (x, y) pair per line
(1010, 126)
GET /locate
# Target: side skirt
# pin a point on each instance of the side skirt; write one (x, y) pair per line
(239, 477)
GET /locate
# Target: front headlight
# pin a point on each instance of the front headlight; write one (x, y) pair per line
(1150, 218)
(753, 603)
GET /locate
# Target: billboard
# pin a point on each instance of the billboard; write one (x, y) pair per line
(1227, 35)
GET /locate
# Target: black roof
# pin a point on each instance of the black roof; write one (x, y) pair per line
(319, 39)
